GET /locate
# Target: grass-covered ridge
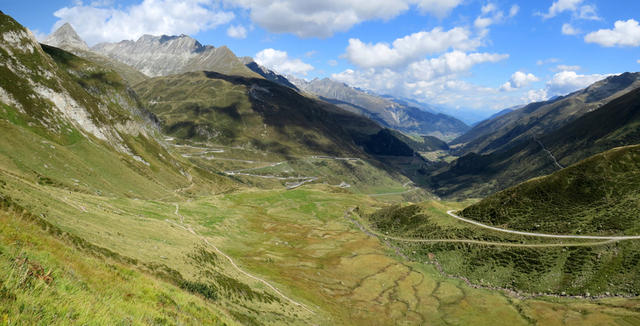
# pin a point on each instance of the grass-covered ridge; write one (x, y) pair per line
(256, 113)
(425, 233)
(600, 195)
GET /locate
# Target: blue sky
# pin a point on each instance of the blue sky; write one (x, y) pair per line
(479, 56)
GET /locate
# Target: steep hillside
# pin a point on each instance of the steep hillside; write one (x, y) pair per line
(385, 111)
(543, 117)
(254, 112)
(67, 39)
(600, 195)
(423, 143)
(168, 55)
(58, 280)
(63, 117)
(614, 124)
(527, 265)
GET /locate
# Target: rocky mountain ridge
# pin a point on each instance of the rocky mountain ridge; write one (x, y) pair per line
(385, 111)
(167, 55)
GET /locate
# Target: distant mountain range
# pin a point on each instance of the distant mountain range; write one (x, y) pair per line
(387, 112)
(167, 55)
(543, 137)
(542, 117)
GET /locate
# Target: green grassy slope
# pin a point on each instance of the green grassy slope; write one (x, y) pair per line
(47, 280)
(533, 266)
(255, 113)
(599, 195)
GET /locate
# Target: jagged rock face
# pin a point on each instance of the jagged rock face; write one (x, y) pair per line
(168, 55)
(385, 111)
(66, 38)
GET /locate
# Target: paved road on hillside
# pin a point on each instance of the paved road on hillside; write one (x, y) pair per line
(544, 235)
(364, 228)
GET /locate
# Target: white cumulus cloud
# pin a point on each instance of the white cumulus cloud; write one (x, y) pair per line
(519, 79)
(409, 48)
(450, 63)
(237, 31)
(565, 82)
(280, 62)
(323, 18)
(95, 23)
(490, 14)
(560, 6)
(435, 80)
(624, 33)
(439, 8)
(576, 7)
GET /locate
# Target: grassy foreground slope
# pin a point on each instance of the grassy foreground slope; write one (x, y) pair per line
(47, 280)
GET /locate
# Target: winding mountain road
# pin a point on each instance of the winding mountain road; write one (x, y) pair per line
(544, 235)
(364, 228)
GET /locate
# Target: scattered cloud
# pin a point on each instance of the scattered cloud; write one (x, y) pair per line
(409, 48)
(518, 80)
(281, 63)
(638, 61)
(535, 95)
(561, 6)
(490, 15)
(562, 83)
(332, 63)
(587, 12)
(565, 82)
(237, 31)
(438, 8)
(578, 10)
(434, 79)
(324, 18)
(624, 33)
(311, 53)
(514, 10)
(450, 63)
(567, 68)
(39, 35)
(547, 61)
(568, 29)
(96, 23)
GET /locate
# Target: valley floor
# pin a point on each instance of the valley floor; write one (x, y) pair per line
(271, 256)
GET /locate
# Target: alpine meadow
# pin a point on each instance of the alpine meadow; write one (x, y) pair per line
(289, 162)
